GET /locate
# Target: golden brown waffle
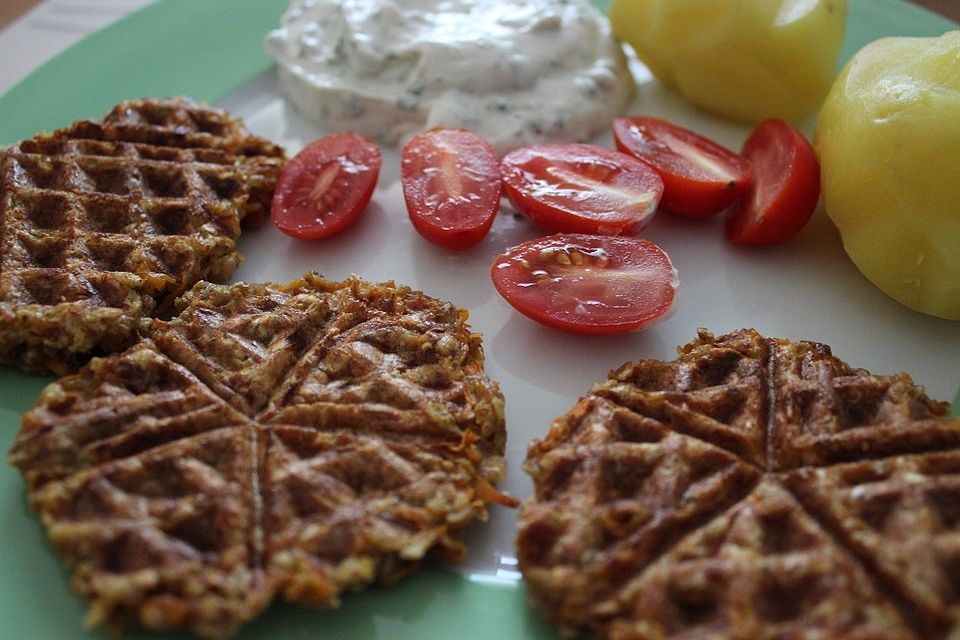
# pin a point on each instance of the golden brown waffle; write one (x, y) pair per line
(751, 488)
(295, 440)
(103, 224)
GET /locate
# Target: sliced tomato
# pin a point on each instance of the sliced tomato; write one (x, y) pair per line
(451, 184)
(786, 186)
(581, 188)
(700, 177)
(326, 186)
(587, 283)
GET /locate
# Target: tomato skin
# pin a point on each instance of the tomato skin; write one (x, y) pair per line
(588, 284)
(451, 185)
(700, 177)
(581, 188)
(786, 187)
(326, 186)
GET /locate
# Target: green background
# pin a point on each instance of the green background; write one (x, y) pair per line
(207, 49)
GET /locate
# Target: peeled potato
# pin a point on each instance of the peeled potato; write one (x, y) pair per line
(888, 139)
(744, 59)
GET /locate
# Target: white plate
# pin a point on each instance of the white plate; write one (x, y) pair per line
(804, 289)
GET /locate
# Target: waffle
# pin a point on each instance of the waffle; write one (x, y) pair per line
(290, 441)
(104, 223)
(751, 488)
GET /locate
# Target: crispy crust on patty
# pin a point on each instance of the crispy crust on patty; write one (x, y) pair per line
(752, 488)
(104, 223)
(291, 441)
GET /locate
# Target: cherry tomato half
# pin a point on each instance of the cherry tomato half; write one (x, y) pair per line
(581, 188)
(700, 177)
(326, 186)
(451, 184)
(786, 186)
(587, 284)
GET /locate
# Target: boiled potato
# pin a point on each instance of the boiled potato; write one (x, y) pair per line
(888, 139)
(744, 59)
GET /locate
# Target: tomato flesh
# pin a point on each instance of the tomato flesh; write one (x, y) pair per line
(451, 186)
(786, 186)
(700, 177)
(581, 188)
(326, 186)
(587, 283)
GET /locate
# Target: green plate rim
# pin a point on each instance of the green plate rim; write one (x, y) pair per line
(208, 50)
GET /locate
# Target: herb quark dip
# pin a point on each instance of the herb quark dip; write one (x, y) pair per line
(517, 72)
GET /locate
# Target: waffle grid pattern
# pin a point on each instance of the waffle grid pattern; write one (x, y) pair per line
(751, 488)
(291, 441)
(106, 223)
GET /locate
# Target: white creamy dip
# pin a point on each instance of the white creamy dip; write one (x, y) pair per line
(517, 72)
